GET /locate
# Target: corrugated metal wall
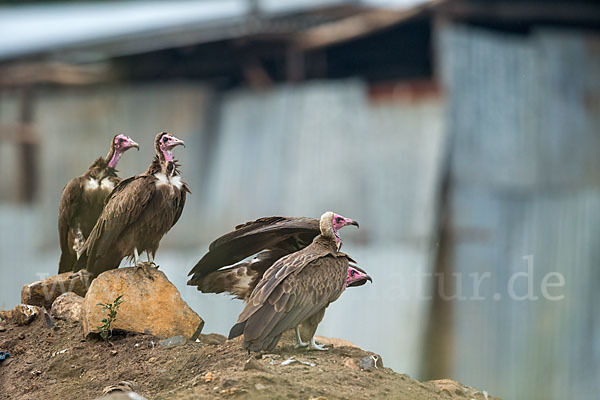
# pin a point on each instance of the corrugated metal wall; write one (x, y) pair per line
(292, 150)
(524, 122)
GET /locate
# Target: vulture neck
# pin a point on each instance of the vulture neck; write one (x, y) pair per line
(113, 157)
(327, 231)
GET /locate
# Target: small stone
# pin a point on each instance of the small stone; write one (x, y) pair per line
(51, 381)
(67, 307)
(260, 386)
(36, 372)
(2, 328)
(352, 363)
(113, 353)
(208, 377)
(253, 364)
(371, 362)
(21, 336)
(43, 293)
(172, 342)
(152, 359)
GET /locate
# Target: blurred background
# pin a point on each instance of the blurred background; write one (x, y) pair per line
(463, 135)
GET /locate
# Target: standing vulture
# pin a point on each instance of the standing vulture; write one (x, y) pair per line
(271, 237)
(137, 214)
(296, 290)
(82, 200)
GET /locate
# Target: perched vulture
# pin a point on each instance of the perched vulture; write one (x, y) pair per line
(297, 289)
(269, 238)
(82, 200)
(138, 212)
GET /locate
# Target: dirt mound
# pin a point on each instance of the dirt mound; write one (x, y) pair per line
(49, 363)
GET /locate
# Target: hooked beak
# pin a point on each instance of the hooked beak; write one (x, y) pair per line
(353, 222)
(133, 143)
(178, 142)
(361, 281)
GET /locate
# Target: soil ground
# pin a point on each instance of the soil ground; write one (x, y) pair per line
(58, 363)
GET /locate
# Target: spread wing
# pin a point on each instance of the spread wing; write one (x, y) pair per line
(123, 206)
(70, 201)
(286, 234)
(288, 295)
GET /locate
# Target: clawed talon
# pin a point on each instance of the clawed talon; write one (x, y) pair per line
(146, 268)
(315, 346)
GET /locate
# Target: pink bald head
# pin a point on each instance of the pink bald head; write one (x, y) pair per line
(356, 277)
(166, 142)
(121, 144)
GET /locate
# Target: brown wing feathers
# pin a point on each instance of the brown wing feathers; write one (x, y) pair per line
(270, 237)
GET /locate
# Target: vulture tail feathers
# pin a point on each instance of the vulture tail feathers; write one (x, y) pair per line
(237, 330)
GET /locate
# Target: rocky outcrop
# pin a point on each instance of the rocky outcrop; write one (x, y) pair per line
(150, 304)
(67, 307)
(43, 293)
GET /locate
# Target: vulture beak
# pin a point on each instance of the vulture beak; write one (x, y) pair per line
(353, 222)
(133, 143)
(177, 142)
(361, 280)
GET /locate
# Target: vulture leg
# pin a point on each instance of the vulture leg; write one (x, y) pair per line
(151, 259)
(136, 257)
(299, 338)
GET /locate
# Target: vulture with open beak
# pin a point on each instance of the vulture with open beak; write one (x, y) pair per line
(83, 198)
(269, 239)
(138, 213)
(297, 289)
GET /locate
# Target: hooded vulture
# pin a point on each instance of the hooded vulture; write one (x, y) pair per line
(297, 289)
(137, 214)
(269, 239)
(82, 200)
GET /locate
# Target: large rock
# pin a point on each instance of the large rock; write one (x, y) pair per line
(43, 293)
(150, 304)
(67, 307)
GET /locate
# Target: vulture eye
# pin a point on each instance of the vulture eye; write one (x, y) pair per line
(352, 273)
(165, 139)
(120, 140)
(338, 220)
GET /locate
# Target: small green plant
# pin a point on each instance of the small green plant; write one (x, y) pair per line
(112, 308)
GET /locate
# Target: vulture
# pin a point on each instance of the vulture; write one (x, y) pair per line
(297, 289)
(271, 237)
(82, 200)
(137, 213)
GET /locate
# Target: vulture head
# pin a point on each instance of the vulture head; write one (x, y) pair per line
(164, 145)
(357, 277)
(331, 223)
(119, 145)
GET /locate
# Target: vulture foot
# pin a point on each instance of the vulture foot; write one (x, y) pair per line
(300, 343)
(315, 346)
(146, 268)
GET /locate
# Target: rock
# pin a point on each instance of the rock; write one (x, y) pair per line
(335, 342)
(352, 363)
(2, 328)
(43, 293)
(253, 364)
(67, 307)
(260, 386)
(172, 342)
(212, 339)
(22, 314)
(150, 304)
(371, 362)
